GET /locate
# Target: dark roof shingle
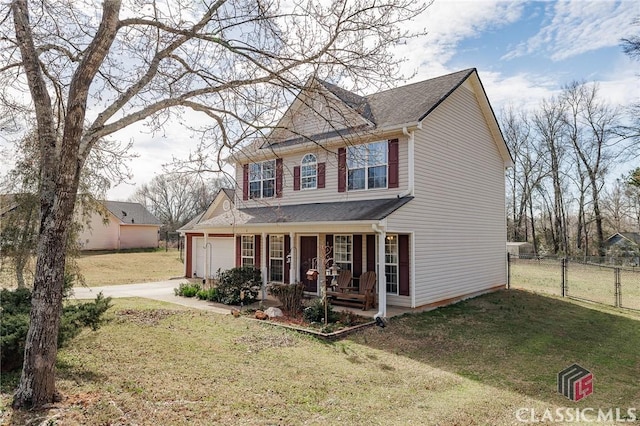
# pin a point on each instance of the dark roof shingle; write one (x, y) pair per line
(341, 211)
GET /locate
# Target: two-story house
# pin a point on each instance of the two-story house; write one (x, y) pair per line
(408, 182)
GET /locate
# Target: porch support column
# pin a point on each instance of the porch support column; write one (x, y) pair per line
(206, 271)
(263, 264)
(321, 265)
(292, 258)
(382, 278)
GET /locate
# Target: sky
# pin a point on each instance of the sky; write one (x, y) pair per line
(524, 52)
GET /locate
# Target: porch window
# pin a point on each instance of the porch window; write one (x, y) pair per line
(262, 179)
(367, 166)
(309, 172)
(343, 251)
(391, 263)
(248, 250)
(276, 258)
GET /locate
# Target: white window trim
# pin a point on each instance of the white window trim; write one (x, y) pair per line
(350, 247)
(271, 257)
(396, 264)
(313, 164)
(262, 180)
(253, 250)
(367, 166)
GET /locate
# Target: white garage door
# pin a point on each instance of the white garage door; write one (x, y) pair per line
(220, 251)
(223, 254)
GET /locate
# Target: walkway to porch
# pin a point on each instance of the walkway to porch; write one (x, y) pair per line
(164, 291)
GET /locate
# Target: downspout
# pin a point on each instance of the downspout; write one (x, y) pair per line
(263, 263)
(382, 279)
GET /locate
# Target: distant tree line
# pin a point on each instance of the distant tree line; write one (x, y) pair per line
(176, 198)
(560, 193)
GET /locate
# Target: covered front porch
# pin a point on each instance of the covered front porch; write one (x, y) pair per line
(286, 242)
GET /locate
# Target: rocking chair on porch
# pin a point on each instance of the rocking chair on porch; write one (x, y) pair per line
(365, 297)
(343, 283)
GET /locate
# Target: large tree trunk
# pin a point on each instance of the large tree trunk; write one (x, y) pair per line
(37, 383)
(61, 162)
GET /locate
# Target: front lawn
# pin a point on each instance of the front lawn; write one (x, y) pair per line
(477, 362)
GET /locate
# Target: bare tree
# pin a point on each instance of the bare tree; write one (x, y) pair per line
(591, 128)
(91, 73)
(549, 125)
(176, 198)
(524, 177)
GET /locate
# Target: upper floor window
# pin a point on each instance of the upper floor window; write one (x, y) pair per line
(262, 179)
(309, 172)
(367, 166)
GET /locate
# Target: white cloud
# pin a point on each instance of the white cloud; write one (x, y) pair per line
(448, 22)
(575, 27)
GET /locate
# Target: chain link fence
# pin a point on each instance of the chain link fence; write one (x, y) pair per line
(613, 285)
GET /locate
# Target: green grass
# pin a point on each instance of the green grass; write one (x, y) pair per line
(589, 282)
(114, 268)
(476, 362)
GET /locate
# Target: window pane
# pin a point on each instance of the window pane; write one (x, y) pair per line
(276, 270)
(377, 154)
(254, 171)
(308, 175)
(254, 189)
(391, 263)
(308, 159)
(268, 188)
(391, 273)
(268, 169)
(356, 156)
(356, 179)
(377, 177)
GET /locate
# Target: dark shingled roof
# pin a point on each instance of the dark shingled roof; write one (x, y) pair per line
(134, 213)
(393, 107)
(342, 211)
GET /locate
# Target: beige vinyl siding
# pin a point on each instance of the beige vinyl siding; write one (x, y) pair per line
(138, 236)
(98, 235)
(317, 114)
(330, 192)
(458, 215)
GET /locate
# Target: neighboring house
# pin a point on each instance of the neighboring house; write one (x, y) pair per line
(625, 245)
(408, 182)
(520, 248)
(122, 226)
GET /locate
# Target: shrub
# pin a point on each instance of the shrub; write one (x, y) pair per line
(314, 312)
(210, 294)
(15, 307)
(187, 289)
(289, 295)
(238, 285)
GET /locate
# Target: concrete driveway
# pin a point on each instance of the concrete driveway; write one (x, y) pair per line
(161, 290)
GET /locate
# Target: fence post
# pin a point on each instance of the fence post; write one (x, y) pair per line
(508, 270)
(618, 287)
(563, 272)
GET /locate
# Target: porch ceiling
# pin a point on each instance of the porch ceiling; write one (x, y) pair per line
(344, 211)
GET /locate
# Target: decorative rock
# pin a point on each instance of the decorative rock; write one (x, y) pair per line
(261, 315)
(273, 312)
(235, 313)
